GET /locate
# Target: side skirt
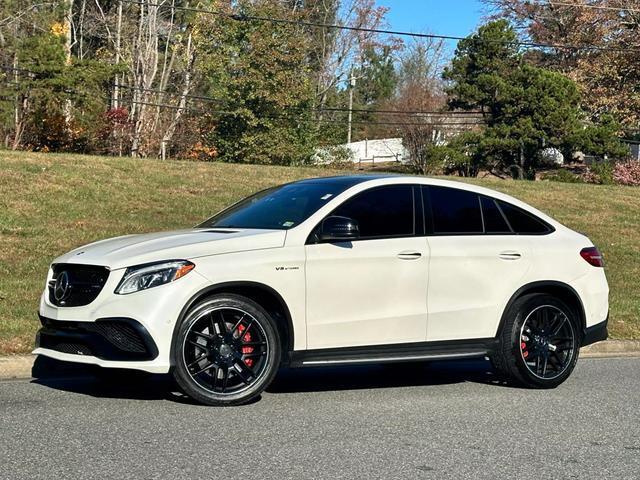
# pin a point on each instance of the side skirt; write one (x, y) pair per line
(403, 352)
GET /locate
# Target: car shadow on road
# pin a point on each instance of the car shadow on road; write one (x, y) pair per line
(126, 384)
(395, 375)
(105, 382)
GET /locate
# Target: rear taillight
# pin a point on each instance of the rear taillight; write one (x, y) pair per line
(593, 256)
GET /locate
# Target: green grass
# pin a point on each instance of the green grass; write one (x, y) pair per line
(51, 203)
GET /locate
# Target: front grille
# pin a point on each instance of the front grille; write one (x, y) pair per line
(76, 285)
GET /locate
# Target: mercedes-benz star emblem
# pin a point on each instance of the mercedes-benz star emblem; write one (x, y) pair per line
(61, 289)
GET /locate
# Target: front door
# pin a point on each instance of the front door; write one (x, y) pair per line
(373, 290)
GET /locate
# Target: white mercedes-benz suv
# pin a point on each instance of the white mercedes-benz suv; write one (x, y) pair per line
(327, 271)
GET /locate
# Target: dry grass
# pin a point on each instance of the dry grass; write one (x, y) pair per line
(52, 203)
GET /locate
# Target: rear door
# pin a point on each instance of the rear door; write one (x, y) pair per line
(476, 262)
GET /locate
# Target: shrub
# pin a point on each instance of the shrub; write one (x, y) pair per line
(563, 175)
(603, 173)
(113, 135)
(333, 157)
(590, 177)
(627, 173)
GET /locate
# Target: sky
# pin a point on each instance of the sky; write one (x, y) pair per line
(445, 17)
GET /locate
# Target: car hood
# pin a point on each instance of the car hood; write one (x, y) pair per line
(131, 250)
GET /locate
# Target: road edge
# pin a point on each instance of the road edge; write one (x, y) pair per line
(21, 366)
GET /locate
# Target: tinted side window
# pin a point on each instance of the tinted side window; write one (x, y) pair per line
(455, 211)
(523, 222)
(381, 212)
(494, 221)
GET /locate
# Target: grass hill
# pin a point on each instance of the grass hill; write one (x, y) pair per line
(50, 203)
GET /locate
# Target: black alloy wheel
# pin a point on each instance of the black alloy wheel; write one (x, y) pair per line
(228, 351)
(547, 342)
(539, 343)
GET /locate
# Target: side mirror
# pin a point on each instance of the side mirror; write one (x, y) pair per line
(339, 229)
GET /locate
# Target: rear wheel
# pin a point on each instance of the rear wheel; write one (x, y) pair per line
(540, 342)
(227, 351)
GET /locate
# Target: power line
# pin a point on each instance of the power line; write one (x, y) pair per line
(316, 109)
(470, 115)
(164, 92)
(297, 119)
(244, 18)
(553, 3)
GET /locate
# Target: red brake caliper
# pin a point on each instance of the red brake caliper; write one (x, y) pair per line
(246, 349)
(523, 347)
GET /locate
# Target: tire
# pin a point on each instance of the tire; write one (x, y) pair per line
(231, 366)
(539, 343)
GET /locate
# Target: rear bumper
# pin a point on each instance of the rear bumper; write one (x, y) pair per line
(595, 333)
(110, 339)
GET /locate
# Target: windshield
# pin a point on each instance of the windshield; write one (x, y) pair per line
(278, 208)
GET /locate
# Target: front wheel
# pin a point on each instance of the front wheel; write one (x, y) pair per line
(539, 343)
(227, 351)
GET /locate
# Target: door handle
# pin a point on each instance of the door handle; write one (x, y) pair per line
(510, 255)
(409, 255)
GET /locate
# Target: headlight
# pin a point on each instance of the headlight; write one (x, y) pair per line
(148, 276)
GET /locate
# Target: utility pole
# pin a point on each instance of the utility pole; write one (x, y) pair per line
(352, 84)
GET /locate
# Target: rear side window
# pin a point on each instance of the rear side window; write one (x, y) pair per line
(455, 211)
(381, 212)
(494, 221)
(523, 222)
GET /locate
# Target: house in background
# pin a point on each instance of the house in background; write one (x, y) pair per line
(433, 129)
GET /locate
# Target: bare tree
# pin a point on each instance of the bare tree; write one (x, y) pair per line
(68, 46)
(116, 86)
(143, 72)
(420, 90)
(337, 50)
(186, 88)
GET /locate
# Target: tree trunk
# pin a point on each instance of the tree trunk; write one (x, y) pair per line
(168, 134)
(19, 108)
(144, 74)
(83, 8)
(116, 87)
(68, 26)
(518, 167)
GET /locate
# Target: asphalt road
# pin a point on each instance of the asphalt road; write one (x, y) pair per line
(446, 420)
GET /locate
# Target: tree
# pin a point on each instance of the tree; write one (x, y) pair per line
(20, 21)
(420, 89)
(481, 66)
(604, 64)
(259, 71)
(526, 108)
(598, 139)
(54, 101)
(331, 52)
(376, 81)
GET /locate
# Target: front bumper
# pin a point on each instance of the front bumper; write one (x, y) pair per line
(132, 331)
